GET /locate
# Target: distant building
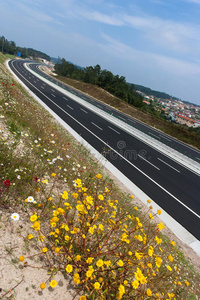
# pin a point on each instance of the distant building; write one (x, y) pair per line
(184, 120)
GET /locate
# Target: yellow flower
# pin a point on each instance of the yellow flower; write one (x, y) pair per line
(75, 195)
(132, 197)
(161, 226)
(101, 227)
(33, 218)
(101, 197)
(89, 260)
(121, 289)
(140, 238)
(21, 258)
(80, 207)
(67, 238)
(69, 268)
(135, 284)
(172, 243)
(78, 183)
(120, 263)
(170, 258)
(138, 255)
(30, 236)
(44, 250)
(89, 200)
(89, 273)
(186, 283)
(78, 257)
(149, 265)
(43, 285)
(91, 230)
(169, 268)
(157, 240)
(36, 225)
(98, 176)
(76, 278)
(97, 285)
(130, 253)
(53, 283)
(99, 263)
(107, 263)
(148, 201)
(139, 276)
(149, 292)
(159, 211)
(82, 298)
(57, 250)
(53, 174)
(150, 251)
(158, 262)
(151, 216)
(65, 195)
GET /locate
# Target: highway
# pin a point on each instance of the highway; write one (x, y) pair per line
(172, 186)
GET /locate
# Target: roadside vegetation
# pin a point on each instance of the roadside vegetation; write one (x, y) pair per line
(76, 221)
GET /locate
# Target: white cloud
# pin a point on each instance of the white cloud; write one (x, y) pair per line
(194, 1)
(171, 34)
(103, 18)
(35, 14)
(157, 61)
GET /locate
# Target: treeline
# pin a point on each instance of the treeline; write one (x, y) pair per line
(150, 92)
(114, 84)
(10, 47)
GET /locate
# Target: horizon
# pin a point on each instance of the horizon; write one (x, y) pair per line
(151, 43)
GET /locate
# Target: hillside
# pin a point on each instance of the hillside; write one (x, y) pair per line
(10, 47)
(154, 93)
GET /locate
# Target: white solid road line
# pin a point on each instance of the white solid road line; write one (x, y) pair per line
(182, 233)
(198, 216)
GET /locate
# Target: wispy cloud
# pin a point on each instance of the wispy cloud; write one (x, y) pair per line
(103, 18)
(167, 63)
(194, 1)
(36, 14)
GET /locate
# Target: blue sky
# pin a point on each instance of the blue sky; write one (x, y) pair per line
(155, 43)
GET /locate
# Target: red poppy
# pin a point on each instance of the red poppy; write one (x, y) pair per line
(36, 179)
(68, 144)
(6, 182)
(12, 84)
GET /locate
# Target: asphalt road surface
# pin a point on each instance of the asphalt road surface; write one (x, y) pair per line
(172, 186)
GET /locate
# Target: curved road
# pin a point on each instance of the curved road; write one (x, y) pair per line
(172, 186)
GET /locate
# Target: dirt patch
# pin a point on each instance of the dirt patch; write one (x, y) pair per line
(22, 280)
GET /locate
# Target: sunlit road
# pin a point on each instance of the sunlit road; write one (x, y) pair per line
(172, 186)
